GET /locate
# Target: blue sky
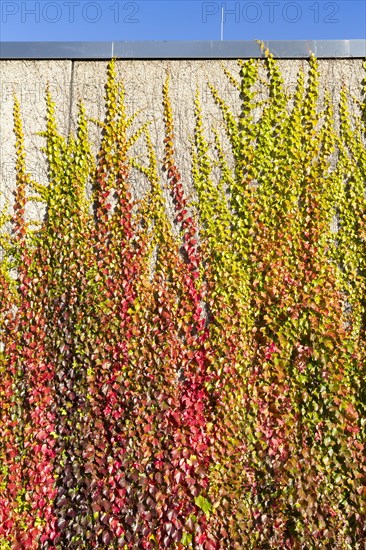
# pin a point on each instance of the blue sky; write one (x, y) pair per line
(105, 20)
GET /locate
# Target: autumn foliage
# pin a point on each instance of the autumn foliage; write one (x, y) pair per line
(191, 376)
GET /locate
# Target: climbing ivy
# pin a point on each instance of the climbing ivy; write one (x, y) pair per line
(181, 373)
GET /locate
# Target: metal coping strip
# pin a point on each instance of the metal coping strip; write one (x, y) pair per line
(282, 49)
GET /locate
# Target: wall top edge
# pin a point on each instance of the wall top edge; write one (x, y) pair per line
(244, 49)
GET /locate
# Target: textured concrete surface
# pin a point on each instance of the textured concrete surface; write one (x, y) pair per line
(28, 80)
(70, 81)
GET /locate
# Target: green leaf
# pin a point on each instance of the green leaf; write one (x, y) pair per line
(203, 503)
(186, 539)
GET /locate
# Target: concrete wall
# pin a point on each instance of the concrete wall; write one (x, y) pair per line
(73, 80)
